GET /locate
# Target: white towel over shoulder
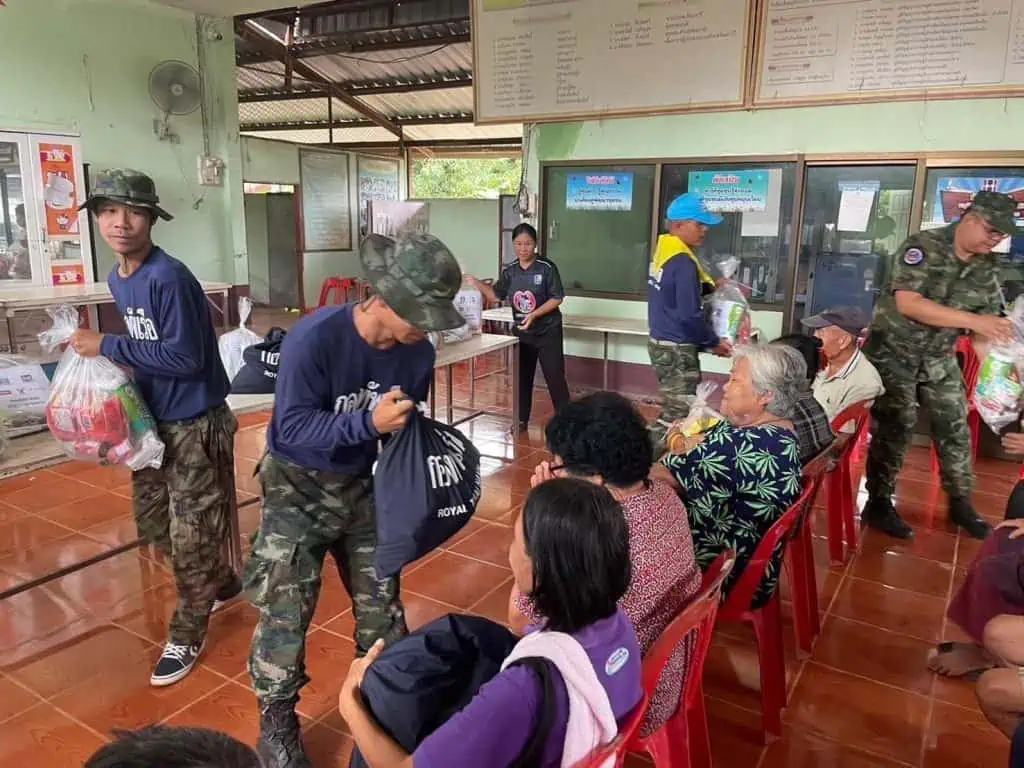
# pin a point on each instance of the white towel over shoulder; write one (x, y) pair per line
(591, 720)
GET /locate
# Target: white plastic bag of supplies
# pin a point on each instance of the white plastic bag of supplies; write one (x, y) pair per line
(701, 418)
(233, 343)
(999, 392)
(470, 304)
(730, 312)
(95, 411)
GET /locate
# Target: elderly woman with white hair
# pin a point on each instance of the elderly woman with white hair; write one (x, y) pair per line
(741, 475)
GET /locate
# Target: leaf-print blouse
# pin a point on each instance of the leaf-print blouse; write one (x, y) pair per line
(736, 483)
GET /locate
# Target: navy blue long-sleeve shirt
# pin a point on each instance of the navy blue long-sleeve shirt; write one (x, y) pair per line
(328, 383)
(674, 305)
(171, 344)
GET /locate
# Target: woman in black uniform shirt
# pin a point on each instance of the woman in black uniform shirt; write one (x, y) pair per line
(533, 287)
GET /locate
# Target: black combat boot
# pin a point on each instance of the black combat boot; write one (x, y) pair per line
(961, 512)
(280, 743)
(882, 516)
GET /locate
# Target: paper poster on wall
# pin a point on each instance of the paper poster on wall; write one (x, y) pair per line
(856, 199)
(731, 191)
(378, 180)
(765, 223)
(60, 193)
(67, 274)
(392, 219)
(599, 192)
(953, 195)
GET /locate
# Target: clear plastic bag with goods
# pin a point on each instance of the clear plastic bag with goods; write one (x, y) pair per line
(700, 419)
(470, 304)
(233, 343)
(999, 393)
(95, 410)
(729, 310)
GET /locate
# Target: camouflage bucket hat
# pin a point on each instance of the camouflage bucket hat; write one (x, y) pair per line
(997, 209)
(417, 277)
(124, 185)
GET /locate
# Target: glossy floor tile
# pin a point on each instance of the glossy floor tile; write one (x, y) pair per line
(76, 652)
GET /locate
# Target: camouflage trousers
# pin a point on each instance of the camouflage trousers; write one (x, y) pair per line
(182, 509)
(306, 514)
(677, 367)
(939, 387)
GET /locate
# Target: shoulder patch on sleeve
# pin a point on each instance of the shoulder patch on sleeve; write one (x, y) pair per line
(913, 256)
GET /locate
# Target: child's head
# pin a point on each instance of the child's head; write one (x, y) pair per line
(160, 746)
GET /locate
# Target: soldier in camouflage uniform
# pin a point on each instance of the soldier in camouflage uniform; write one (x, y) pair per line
(942, 283)
(349, 376)
(676, 286)
(171, 347)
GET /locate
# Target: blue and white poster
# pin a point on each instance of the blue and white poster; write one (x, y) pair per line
(953, 195)
(731, 191)
(599, 192)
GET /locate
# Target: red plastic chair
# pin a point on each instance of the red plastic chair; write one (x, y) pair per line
(842, 509)
(617, 747)
(799, 562)
(767, 620)
(971, 367)
(339, 287)
(683, 740)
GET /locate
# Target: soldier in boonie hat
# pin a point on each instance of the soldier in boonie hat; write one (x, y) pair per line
(995, 209)
(127, 186)
(417, 277)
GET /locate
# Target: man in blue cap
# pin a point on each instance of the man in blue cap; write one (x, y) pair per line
(676, 287)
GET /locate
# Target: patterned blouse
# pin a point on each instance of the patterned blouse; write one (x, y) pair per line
(736, 483)
(665, 580)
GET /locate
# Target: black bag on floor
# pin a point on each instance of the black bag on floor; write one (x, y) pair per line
(426, 486)
(258, 374)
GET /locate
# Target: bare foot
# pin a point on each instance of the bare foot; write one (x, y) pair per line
(960, 660)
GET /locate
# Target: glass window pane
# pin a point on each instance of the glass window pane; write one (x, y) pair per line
(855, 217)
(15, 263)
(758, 221)
(598, 227)
(948, 191)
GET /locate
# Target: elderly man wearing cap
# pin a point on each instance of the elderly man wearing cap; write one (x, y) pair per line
(171, 346)
(676, 286)
(349, 376)
(848, 376)
(942, 283)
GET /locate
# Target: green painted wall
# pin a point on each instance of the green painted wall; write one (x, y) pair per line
(83, 68)
(470, 230)
(937, 126)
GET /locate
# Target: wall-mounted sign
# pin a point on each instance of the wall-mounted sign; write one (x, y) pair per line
(953, 196)
(598, 191)
(731, 191)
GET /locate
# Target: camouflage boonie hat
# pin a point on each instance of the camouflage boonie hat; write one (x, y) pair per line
(124, 185)
(417, 277)
(995, 208)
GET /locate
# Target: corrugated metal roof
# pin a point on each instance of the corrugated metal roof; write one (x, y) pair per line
(320, 136)
(462, 132)
(386, 65)
(449, 101)
(293, 111)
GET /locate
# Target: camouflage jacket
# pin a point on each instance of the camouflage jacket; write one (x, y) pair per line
(926, 263)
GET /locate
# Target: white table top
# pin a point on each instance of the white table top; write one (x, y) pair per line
(459, 351)
(40, 296)
(628, 326)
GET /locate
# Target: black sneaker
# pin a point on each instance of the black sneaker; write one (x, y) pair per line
(882, 516)
(175, 663)
(280, 744)
(961, 512)
(228, 594)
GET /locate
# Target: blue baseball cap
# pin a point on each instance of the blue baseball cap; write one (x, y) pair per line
(690, 207)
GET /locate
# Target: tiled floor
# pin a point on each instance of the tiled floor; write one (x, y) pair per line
(75, 654)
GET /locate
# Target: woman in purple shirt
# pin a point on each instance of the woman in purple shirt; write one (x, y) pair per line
(570, 555)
